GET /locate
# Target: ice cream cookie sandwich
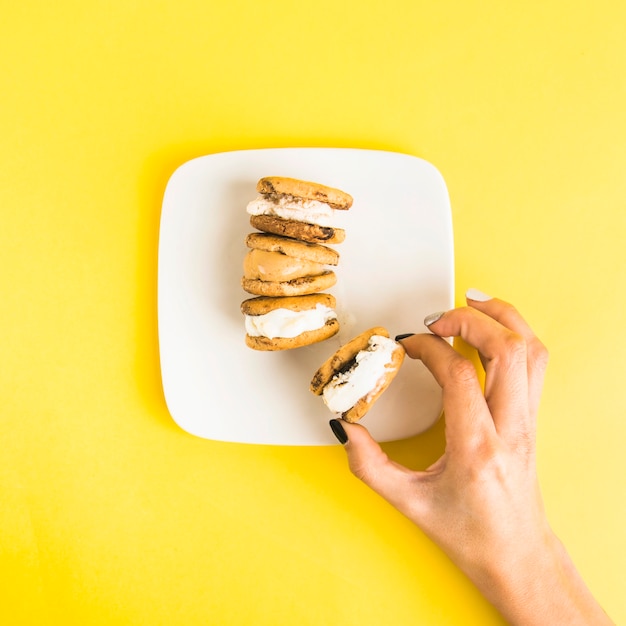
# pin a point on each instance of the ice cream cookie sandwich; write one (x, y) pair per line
(353, 378)
(277, 266)
(298, 209)
(289, 322)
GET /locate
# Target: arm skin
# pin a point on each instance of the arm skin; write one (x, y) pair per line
(480, 502)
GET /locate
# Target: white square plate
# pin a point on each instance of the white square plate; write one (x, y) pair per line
(396, 267)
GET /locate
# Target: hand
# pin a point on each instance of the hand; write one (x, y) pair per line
(481, 502)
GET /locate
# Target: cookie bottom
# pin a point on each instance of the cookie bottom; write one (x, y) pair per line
(289, 343)
(296, 287)
(302, 231)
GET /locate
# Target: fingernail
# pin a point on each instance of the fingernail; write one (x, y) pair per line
(338, 431)
(476, 295)
(400, 337)
(433, 317)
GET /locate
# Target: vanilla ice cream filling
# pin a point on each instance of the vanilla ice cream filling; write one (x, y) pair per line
(363, 378)
(292, 208)
(287, 323)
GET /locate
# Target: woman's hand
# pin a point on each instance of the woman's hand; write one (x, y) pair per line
(480, 502)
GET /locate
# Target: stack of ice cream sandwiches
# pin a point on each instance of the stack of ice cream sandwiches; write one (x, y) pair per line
(289, 264)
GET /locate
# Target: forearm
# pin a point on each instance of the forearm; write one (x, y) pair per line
(544, 587)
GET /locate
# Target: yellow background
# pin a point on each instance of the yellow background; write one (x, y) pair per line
(109, 513)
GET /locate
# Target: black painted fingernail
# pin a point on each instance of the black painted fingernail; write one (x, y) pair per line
(338, 431)
(399, 337)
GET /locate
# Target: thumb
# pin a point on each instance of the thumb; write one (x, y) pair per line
(369, 463)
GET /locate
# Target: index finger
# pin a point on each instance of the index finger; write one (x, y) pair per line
(467, 414)
(505, 357)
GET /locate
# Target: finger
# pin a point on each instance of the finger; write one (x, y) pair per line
(369, 463)
(467, 416)
(503, 353)
(510, 317)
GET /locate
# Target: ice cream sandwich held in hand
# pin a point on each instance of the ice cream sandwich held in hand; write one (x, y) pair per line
(277, 266)
(353, 378)
(289, 322)
(299, 209)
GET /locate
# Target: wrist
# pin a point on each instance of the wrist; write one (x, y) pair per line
(541, 585)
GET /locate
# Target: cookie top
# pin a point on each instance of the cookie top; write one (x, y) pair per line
(265, 304)
(343, 358)
(302, 231)
(292, 247)
(280, 185)
(277, 267)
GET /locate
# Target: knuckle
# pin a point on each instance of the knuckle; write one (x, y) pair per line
(538, 354)
(360, 470)
(525, 442)
(368, 469)
(481, 447)
(462, 370)
(515, 347)
(484, 459)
